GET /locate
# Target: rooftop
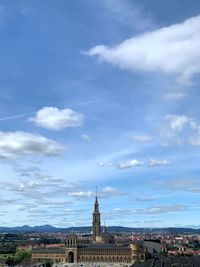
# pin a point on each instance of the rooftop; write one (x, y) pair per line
(107, 246)
(181, 261)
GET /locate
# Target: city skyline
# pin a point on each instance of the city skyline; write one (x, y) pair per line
(99, 93)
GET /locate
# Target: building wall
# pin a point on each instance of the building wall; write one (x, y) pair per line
(43, 257)
(86, 254)
(105, 255)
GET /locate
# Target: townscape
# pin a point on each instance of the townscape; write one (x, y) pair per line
(99, 247)
(99, 94)
(178, 247)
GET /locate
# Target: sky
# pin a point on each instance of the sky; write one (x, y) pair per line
(100, 93)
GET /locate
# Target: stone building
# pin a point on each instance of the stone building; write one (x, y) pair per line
(102, 249)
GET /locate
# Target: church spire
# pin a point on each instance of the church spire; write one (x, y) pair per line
(96, 204)
(96, 225)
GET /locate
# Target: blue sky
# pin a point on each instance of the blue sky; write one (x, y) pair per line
(100, 93)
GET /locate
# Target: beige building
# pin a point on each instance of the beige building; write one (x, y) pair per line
(102, 249)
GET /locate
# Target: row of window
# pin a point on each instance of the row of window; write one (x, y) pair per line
(103, 252)
(105, 259)
(49, 256)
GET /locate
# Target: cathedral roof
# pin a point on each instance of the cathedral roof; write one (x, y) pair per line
(106, 235)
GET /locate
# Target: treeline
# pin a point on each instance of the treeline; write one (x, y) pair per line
(12, 237)
(7, 247)
(21, 256)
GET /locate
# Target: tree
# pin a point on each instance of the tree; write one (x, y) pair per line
(49, 263)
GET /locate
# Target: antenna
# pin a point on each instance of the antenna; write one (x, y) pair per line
(96, 191)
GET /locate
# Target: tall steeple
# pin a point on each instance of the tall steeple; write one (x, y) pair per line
(96, 224)
(96, 204)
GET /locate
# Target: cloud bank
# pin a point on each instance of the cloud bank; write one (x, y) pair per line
(170, 50)
(13, 144)
(135, 163)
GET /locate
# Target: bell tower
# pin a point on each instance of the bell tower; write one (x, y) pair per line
(96, 224)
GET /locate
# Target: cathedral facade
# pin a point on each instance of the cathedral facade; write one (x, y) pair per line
(102, 249)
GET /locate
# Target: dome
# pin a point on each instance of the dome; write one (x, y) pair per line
(134, 247)
(107, 235)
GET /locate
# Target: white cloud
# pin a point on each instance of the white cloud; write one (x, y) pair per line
(162, 209)
(55, 203)
(180, 129)
(38, 190)
(152, 210)
(195, 126)
(182, 184)
(194, 140)
(123, 11)
(160, 162)
(170, 50)
(7, 201)
(153, 222)
(110, 191)
(101, 164)
(176, 122)
(86, 138)
(144, 199)
(174, 95)
(106, 164)
(13, 144)
(129, 164)
(141, 138)
(29, 187)
(105, 192)
(53, 118)
(49, 178)
(135, 163)
(81, 194)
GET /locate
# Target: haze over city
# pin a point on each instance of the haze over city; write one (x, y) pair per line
(100, 93)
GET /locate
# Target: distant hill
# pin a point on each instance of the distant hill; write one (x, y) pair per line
(88, 229)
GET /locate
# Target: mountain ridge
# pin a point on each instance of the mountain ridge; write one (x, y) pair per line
(88, 229)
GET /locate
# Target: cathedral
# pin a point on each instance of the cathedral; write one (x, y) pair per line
(102, 249)
(97, 236)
